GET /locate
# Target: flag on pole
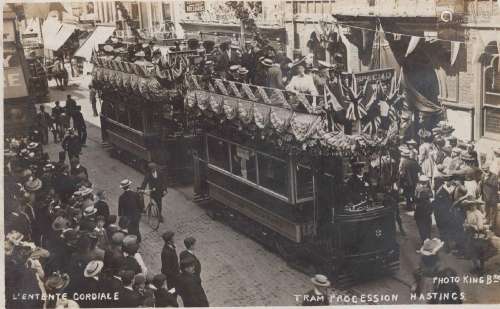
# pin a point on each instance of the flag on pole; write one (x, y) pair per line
(412, 45)
(331, 100)
(498, 45)
(455, 48)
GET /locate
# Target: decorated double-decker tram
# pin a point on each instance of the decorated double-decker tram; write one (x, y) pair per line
(142, 113)
(275, 165)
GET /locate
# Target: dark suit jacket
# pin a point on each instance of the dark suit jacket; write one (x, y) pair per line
(129, 298)
(56, 113)
(249, 61)
(356, 188)
(409, 173)
(130, 263)
(169, 264)
(102, 209)
(80, 171)
(489, 190)
(130, 205)
(157, 185)
(78, 121)
(44, 120)
(197, 265)
(111, 285)
(274, 78)
(72, 144)
(190, 289)
(70, 106)
(165, 299)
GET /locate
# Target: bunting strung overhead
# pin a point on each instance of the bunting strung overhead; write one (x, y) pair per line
(338, 27)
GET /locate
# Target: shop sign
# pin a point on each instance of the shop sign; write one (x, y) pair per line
(14, 84)
(382, 75)
(194, 6)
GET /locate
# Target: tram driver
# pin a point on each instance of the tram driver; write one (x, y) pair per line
(358, 185)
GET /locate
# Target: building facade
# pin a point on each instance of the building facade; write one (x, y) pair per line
(467, 87)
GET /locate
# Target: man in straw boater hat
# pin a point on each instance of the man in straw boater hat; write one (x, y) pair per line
(489, 192)
(233, 73)
(318, 295)
(429, 268)
(408, 176)
(423, 207)
(130, 207)
(91, 283)
(55, 283)
(243, 75)
(141, 59)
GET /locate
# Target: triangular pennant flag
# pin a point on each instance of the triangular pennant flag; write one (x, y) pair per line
(364, 34)
(455, 48)
(478, 48)
(412, 45)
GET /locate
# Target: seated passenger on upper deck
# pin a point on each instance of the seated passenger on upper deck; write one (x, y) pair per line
(302, 82)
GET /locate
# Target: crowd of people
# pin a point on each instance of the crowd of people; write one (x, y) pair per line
(445, 177)
(253, 64)
(64, 246)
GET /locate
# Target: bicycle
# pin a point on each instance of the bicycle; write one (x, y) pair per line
(152, 210)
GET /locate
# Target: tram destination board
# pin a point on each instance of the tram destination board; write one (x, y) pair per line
(194, 6)
(382, 75)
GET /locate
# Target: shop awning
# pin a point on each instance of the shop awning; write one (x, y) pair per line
(99, 36)
(54, 42)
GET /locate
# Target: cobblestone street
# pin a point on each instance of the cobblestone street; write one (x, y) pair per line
(236, 270)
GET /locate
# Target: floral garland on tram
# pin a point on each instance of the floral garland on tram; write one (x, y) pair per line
(296, 122)
(138, 79)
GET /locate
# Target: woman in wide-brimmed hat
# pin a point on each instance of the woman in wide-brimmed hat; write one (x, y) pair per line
(55, 283)
(427, 154)
(477, 244)
(429, 267)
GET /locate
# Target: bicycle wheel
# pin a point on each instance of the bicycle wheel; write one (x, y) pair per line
(153, 215)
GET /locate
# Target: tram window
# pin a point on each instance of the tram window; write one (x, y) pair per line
(218, 153)
(136, 119)
(304, 182)
(273, 174)
(243, 163)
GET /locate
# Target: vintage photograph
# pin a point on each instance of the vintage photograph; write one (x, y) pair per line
(172, 153)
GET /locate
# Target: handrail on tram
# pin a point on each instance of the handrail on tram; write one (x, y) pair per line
(313, 104)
